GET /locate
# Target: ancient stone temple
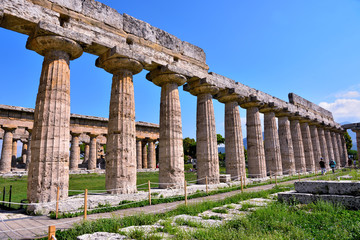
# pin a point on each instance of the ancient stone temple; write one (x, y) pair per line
(61, 31)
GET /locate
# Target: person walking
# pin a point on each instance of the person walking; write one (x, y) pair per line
(322, 166)
(332, 165)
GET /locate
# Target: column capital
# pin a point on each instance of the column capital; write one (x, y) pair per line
(44, 44)
(92, 135)
(228, 95)
(251, 101)
(198, 87)
(115, 65)
(269, 107)
(162, 75)
(8, 128)
(76, 134)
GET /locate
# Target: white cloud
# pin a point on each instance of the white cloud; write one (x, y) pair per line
(344, 109)
(348, 94)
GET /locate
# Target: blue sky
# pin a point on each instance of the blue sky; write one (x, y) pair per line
(307, 47)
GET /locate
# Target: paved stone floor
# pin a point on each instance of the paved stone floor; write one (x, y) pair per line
(29, 227)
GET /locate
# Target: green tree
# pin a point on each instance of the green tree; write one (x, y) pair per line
(348, 141)
(189, 145)
(220, 139)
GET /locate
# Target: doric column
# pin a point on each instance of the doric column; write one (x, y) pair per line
(50, 140)
(24, 151)
(308, 146)
(286, 146)
(121, 141)
(138, 153)
(329, 146)
(207, 164)
(343, 143)
(315, 140)
(271, 143)
(171, 155)
(343, 161)
(357, 141)
(255, 145)
(336, 149)
(74, 151)
(144, 154)
(28, 157)
(14, 153)
(234, 147)
(299, 154)
(323, 146)
(92, 152)
(151, 154)
(86, 153)
(6, 152)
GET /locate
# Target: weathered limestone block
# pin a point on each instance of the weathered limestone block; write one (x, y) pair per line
(171, 154)
(308, 147)
(138, 154)
(86, 153)
(272, 145)
(14, 153)
(206, 147)
(315, 140)
(323, 145)
(329, 145)
(336, 149)
(92, 152)
(144, 154)
(151, 155)
(329, 187)
(121, 140)
(299, 154)
(6, 152)
(49, 167)
(286, 146)
(24, 151)
(255, 145)
(74, 151)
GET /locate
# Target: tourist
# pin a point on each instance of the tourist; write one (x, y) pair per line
(332, 165)
(322, 166)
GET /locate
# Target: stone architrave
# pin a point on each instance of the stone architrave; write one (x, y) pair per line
(286, 146)
(74, 151)
(323, 146)
(299, 154)
(138, 154)
(92, 151)
(151, 155)
(171, 152)
(315, 140)
(329, 145)
(272, 145)
(255, 144)
(207, 164)
(308, 146)
(86, 153)
(6, 152)
(24, 151)
(28, 157)
(234, 147)
(335, 148)
(50, 137)
(121, 141)
(144, 152)
(14, 153)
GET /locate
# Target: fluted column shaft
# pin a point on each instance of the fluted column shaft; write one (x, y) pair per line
(286, 146)
(6, 152)
(308, 147)
(28, 154)
(24, 151)
(323, 145)
(329, 145)
(206, 147)
(343, 161)
(92, 152)
(74, 151)
(138, 154)
(336, 149)
(49, 167)
(144, 154)
(299, 154)
(151, 155)
(343, 143)
(315, 140)
(14, 153)
(86, 153)
(272, 144)
(358, 142)
(255, 145)
(234, 147)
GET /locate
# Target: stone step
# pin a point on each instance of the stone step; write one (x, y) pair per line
(329, 187)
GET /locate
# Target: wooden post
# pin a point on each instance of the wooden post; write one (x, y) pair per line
(57, 202)
(242, 185)
(270, 178)
(149, 192)
(206, 182)
(85, 204)
(245, 181)
(185, 193)
(52, 231)
(299, 176)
